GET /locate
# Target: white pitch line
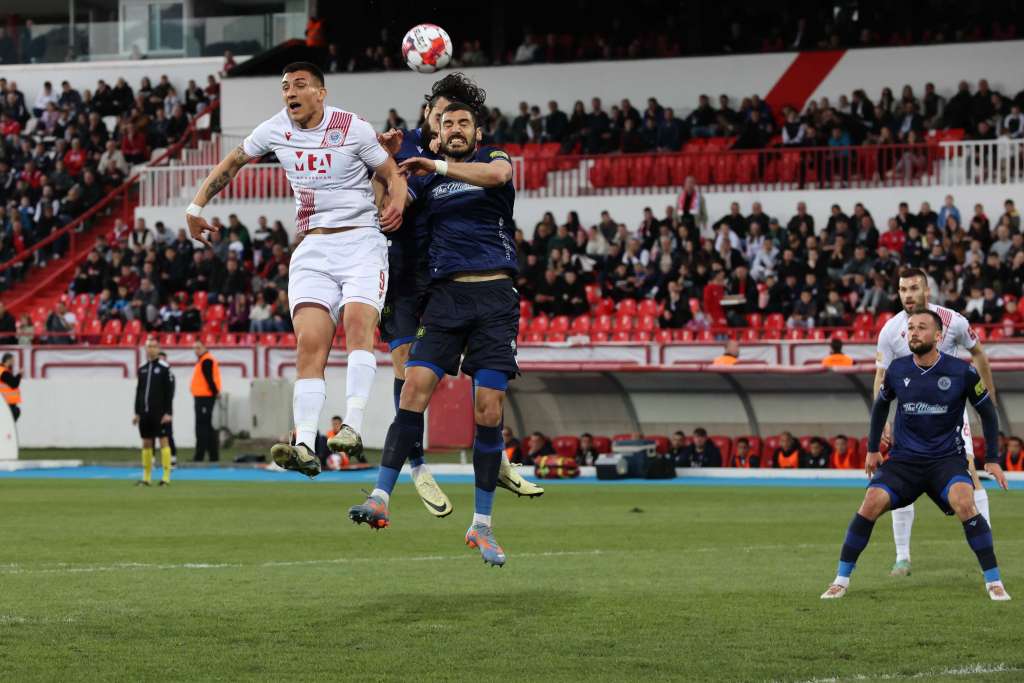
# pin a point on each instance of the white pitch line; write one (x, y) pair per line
(972, 670)
(137, 566)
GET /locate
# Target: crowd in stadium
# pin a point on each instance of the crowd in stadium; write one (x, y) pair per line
(664, 33)
(982, 113)
(699, 449)
(67, 149)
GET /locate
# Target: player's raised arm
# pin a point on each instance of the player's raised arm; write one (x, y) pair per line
(493, 174)
(219, 178)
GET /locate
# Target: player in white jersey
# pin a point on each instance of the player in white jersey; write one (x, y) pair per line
(892, 344)
(341, 262)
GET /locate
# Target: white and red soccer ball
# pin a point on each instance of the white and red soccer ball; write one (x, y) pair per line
(427, 48)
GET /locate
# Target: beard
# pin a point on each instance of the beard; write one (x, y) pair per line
(921, 348)
(447, 151)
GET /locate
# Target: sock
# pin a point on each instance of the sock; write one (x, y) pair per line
(147, 464)
(415, 459)
(404, 436)
(979, 537)
(857, 537)
(165, 463)
(981, 502)
(308, 398)
(487, 450)
(902, 523)
(362, 366)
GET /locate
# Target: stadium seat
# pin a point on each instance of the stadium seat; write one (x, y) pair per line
(650, 307)
(555, 337)
(749, 334)
(775, 321)
(598, 336)
(817, 334)
(661, 442)
(566, 446)
(603, 307)
(93, 330)
(168, 339)
(647, 323)
(620, 336)
(771, 334)
(627, 307)
(602, 444)
(706, 336)
(213, 325)
(862, 335)
(211, 338)
(200, 299)
(524, 325)
(534, 337)
(525, 309)
(215, 312)
(539, 324)
(724, 444)
(640, 336)
(794, 335)
(110, 339)
(560, 323)
(133, 327)
(602, 323)
(770, 443)
(593, 293)
(754, 320)
(580, 325)
(622, 437)
(682, 335)
(288, 340)
(129, 339)
(881, 320)
(864, 321)
(113, 326)
(623, 322)
(187, 339)
(268, 339)
(805, 442)
(663, 336)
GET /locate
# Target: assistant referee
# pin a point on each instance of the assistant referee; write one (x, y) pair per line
(154, 396)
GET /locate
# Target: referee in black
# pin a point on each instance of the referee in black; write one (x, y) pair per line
(154, 398)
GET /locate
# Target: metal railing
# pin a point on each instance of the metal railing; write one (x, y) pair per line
(983, 162)
(169, 185)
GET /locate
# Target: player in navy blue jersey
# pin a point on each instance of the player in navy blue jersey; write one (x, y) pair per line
(931, 389)
(472, 315)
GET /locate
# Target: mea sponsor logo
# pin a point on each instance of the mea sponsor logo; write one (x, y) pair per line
(922, 408)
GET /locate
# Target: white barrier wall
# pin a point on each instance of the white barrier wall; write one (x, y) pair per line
(675, 82)
(83, 75)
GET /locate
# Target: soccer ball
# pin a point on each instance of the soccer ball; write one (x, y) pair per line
(427, 48)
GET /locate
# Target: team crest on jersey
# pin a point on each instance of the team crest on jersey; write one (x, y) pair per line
(944, 383)
(334, 137)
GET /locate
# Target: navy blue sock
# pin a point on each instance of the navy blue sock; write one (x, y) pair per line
(857, 537)
(979, 537)
(415, 457)
(404, 436)
(487, 449)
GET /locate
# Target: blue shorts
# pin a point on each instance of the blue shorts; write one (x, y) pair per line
(906, 479)
(476, 322)
(404, 303)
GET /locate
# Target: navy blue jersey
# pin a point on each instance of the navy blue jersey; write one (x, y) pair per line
(471, 227)
(930, 405)
(413, 235)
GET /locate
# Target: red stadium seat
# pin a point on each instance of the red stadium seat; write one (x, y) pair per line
(597, 336)
(211, 338)
(200, 299)
(622, 437)
(623, 322)
(168, 339)
(268, 339)
(794, 335)
(602, 323)
(593, 293)
(979, 447)
(663, 336)
(129, 339)
(215, 312)
(750, 334)
(93, 330)
(626, 306)
(862, 335)
(580, 325)
(620, 336)
(539, 324)
(805, 442)
(640, 336)
(602, 444)
(775, 321)
(560, 323)
(525, 308)
(881, 320)
(187, 339)
(566, 446)
(113, 326)
(650, 307)
(661, 442)
(133, 327)
(535, 337)
(706, 336)
(754, 319)
(864, 321)
(213, 325)
(817, 334)
(524, 325)
(248, 339)
(682, 335)
(768, 451)
(110, 339)
(771, 334)
(603, 307)
(555, 337)
(647, 323)
(724, 444)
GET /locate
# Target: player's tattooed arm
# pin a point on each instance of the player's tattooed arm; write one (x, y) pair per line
(219, 178)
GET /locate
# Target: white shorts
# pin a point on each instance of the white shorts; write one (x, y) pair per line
(332, 270)
(968, 438)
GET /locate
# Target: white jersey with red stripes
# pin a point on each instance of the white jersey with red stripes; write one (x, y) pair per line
(893, 341)
(326, 166)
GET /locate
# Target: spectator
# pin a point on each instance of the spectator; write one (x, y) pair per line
(1013, 460)
(843, 457)
(8, 326)
(731, 355)
(702, 452)
(539, 445)
(743, 457)
(513, 450)
(677, 446)
(789, 454)
(817, 456)
(587, 453)
(833, 314)
(26, 330)
(61, 325)
(948, 209)
(556, 124)
(837, 358)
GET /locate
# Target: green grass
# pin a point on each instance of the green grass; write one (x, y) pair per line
(698, 583)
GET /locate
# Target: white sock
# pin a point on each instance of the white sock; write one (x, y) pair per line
(362, 366)
(981, 502)
(902, 523)
(481, 519)
(842, 581)
(382, 494)
(308, 398)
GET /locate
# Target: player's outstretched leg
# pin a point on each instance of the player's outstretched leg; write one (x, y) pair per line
(981, 502)
(979, 537)
(360, 322)
(487, 452)
(876, 501)
(434, 499)
(404, 435)
(509, 478)
(902, 524)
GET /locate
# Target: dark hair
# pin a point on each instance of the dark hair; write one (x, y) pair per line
(700, 431)
(907, 273)
(932, 314)
(836, 344)
(312, 68)
(679, 432)
(461, 106)
(7, 357)
(1017, 439)
(586, 435)
(742, 439)
(841, 436)
(336, 417)
(458, 87)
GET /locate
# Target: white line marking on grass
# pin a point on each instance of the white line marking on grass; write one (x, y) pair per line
(136, 566)
(972, 670)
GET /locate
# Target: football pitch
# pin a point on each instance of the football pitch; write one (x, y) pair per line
(100, 580)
